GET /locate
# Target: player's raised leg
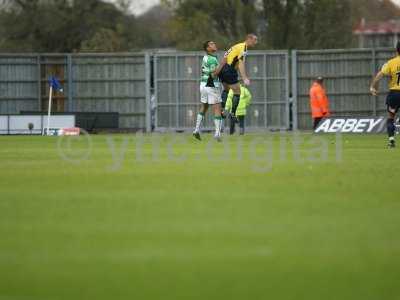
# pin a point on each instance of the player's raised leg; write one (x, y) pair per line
(235, 100)
(224, 95)
(224, 98)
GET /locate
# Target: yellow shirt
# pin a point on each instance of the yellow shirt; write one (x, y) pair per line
(392, 69)
(236, 53)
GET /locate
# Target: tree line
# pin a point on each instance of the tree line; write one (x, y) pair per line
(98, 26)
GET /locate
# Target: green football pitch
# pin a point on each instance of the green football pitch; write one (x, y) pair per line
(266, 216)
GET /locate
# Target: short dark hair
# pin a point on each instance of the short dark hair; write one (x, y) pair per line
(251, 35)
(205, 45)
(398, 47)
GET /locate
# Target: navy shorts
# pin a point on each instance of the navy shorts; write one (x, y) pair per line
(393, 101)
(229, 75)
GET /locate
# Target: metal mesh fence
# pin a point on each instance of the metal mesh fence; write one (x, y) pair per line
(19, 83)
(112, 83)
(92, 83)
(122, 83)
(177, 81)
(347, 74)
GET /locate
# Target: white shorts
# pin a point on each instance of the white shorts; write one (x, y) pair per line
(209, 95)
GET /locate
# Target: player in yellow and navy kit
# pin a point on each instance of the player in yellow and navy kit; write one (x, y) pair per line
(234, 60)
(391, 69)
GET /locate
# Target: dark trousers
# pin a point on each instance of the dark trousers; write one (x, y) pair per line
(233, 124)
(316, 122)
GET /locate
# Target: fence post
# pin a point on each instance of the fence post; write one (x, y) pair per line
(376, 98)
(294, 89)
(287, 87)
(70, 84)
(177, 91)
(39, 83)
(265, 91)
(155, 80)
(148, 94)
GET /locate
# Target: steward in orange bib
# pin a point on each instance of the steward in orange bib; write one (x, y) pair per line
(319, 102)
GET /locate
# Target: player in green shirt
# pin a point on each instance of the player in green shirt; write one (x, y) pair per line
(210, 90)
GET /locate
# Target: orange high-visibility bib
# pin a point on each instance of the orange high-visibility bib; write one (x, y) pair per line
(319, 101)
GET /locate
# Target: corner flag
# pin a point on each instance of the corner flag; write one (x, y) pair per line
(54, 85)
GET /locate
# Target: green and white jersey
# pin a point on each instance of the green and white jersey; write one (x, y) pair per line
(209, 65)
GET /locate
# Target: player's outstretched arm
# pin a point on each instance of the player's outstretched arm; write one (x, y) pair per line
(242, 70)
(374, 84)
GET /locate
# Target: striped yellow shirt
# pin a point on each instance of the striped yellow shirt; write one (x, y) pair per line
(392, 69)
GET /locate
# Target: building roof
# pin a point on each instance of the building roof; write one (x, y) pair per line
(387, 27)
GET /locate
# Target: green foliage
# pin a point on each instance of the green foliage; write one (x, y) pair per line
(198, 20)
(55, 26)
(104, 40)
(305, 24)
(96, 25)
(327, 24)
(69, 26)
(282, 24)
(152, 29)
